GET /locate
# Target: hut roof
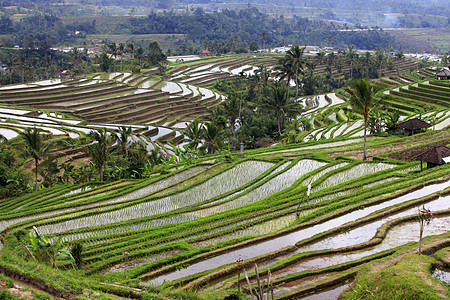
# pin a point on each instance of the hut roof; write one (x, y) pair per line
(413, 124)
(435, 155)
(443, 72)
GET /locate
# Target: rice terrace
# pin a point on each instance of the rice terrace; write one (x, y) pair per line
(278, 173)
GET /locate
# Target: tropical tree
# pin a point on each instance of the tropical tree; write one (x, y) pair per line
(121, 51)
(130, 49)
(194, 133)
(352, 56)
(294, 58)
(232, 107)
(42, 250)
(320, 57)
(139, 53)
(2, 138)
(261, 76)
(101, 148)
(285, 71)
(124, 139)
(213, 137)
(154, 53)
(363, 98)
(275, 98)
(114, 51)
(36, 147)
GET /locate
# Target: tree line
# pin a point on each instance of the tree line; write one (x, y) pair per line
(250, 25)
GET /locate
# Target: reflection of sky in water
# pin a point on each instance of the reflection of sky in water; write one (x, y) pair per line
(292, 238)
(8, 133)
(13, 111)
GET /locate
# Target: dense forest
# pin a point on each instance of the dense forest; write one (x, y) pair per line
(397, 13)
(434, 7)
(250, 24)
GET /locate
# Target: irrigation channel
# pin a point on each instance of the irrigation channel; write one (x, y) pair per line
(356, 236)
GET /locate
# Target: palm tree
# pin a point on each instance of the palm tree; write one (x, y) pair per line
(121, 51)
(261, 76)
(320, 57)
(101, 149)
(130, 48)
(296, 62)
(263, 40)
(213, 137)
(124, 139)
(364, 98)
(114, 51)
(232, 108)
(351, 55)
(139, 54)
(285, 71)
(276, 98)
(194, 133)
(35, 147)
(2, 138)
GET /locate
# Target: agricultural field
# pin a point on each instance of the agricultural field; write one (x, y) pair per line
(231, 226)
(423, 39)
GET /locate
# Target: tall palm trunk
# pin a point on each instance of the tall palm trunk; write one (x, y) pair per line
(36, 164)
(365, 137)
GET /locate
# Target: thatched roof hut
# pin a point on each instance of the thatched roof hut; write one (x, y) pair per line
(443, 74)
(435, 156)
(413, 126)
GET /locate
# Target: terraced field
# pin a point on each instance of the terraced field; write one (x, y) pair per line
(254, 209)
(201, 227)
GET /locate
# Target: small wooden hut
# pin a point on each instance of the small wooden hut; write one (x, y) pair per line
(443, 74)
(413, 126)
(435, 156)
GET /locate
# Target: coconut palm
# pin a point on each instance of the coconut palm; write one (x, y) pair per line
(36, 147)
(194, 133)
(101, 149)
(276, 98)
(130, 48)
(363, 98)
(284, 71)
(352, 56)
(261, 76)
(124, 139)
(294, 58)
(213, 137)
(114, 51)
(232, 108)
(121, 51)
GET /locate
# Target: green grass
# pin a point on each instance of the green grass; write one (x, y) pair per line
(408, 279)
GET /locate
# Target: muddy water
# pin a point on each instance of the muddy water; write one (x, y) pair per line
(327, 295)
(365, 233)
(397, 236)
(295, 284)
(292, 238)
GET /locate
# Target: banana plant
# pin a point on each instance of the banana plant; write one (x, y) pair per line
(42, 250)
